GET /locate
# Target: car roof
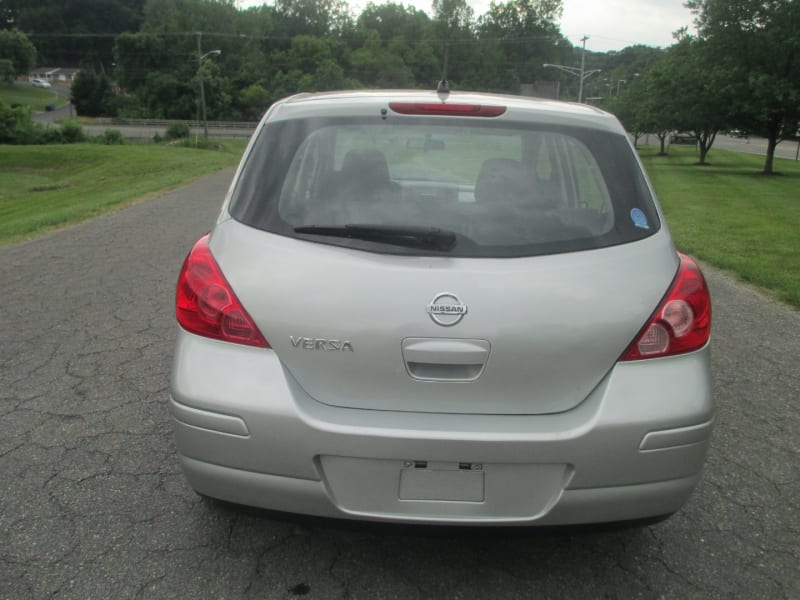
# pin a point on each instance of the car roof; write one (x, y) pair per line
(368, 102)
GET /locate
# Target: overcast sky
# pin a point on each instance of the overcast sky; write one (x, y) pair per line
(614, 24)
(610, 24)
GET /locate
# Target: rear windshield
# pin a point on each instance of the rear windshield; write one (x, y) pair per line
(502, 188)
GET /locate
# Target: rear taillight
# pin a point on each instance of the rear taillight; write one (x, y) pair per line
(206, 305)
(446, 109)
(682, 322)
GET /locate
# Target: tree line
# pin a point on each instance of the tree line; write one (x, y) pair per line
(741, 69)
(140, 58)
(145, 58)
(150, 49)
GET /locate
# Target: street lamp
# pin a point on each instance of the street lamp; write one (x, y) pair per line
(200, 58)
(581, 73)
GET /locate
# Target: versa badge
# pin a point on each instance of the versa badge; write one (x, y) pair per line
(321, 344)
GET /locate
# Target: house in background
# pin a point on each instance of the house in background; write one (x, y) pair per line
(64, 76)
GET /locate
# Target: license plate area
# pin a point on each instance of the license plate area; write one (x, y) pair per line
(454, 482)
(418, 490)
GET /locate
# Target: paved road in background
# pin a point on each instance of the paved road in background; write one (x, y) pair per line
(755, 145)
(92, 503)
(139, 132)
(751, 145)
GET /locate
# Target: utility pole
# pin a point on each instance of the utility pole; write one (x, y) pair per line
(202, 87)
(583, 66)
(581, 73)
(200, 57)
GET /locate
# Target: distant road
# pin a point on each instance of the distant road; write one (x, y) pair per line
(139, 131)
(752, 145)
(755, 145)
(148, 131)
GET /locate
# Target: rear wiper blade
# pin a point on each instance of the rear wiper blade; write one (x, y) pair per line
(411, 236)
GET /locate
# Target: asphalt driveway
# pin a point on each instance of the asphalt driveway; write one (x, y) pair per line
(92, 504)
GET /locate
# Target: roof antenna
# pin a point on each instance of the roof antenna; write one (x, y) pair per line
(444, 85)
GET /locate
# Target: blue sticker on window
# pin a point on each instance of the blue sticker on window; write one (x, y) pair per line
(639, 219)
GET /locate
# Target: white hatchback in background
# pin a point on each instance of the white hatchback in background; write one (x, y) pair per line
(40, 83)
(459, 308)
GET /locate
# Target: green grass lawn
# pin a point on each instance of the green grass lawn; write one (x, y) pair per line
(46, 187)
(731, 216)
(27, 95)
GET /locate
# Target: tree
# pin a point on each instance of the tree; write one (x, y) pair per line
(396, 47)
(381, 66)
(92, 95)
(691, 94)
(252, 102)
(138, 55)
(757, 43)
(679, 92)
(63, 29)
(517, 37)
(454, 27)
(312, 17)
(16, 48)
(640, 111)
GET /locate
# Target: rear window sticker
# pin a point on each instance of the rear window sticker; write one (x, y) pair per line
(639, 219)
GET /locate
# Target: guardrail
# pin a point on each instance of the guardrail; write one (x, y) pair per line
(166, 123)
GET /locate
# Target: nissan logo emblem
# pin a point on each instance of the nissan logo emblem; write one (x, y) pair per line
(446, 309)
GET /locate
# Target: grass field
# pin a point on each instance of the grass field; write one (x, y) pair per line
(731, 216)
(27, 95)
(46, 187)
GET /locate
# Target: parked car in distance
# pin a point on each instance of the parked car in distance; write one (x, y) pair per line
(40, 83)
(442, 308)
(683, 137)
(738, 133)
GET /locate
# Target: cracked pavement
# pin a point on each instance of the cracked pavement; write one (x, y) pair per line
(93, 505)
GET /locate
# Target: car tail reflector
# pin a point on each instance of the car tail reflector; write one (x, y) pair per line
(206, 305)
(682, 321)
(446, 109)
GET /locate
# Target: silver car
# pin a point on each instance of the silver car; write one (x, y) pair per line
(442, 308)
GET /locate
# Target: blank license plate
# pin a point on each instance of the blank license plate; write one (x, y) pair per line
(455, 485)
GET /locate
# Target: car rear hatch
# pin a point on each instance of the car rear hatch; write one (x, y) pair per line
(354, 329)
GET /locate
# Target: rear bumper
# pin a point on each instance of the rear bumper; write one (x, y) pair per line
(247, 433)
(287, 494)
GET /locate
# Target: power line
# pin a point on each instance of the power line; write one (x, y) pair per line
(269, 37)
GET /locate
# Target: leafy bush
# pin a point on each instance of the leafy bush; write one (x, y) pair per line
(112, 137)
(51, 135)
(16, 125)
(72, 132)
(128, 106)
(177, 131)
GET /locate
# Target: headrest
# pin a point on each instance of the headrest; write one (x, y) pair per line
(368, 165)
(503, 180)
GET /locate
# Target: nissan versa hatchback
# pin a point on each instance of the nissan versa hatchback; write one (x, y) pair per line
(447, 308)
